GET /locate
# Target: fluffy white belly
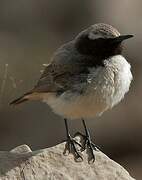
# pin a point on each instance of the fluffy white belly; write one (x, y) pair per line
(105, 88)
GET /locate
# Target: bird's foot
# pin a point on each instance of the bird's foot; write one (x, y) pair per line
(71, 147)
(89, 146)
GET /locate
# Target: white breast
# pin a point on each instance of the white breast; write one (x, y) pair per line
(106, 87)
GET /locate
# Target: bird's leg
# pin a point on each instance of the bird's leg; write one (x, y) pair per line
(70, 146)
(88, 144)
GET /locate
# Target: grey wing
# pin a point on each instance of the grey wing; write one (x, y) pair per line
(47, 82)
(57, 78)
(65, 72)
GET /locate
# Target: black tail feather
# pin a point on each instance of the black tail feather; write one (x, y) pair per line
(20, 100)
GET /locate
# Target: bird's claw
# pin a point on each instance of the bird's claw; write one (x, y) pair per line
(89, 146)
(70, 147)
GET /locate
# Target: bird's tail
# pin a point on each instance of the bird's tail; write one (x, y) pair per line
(26, 97)
(20, 100)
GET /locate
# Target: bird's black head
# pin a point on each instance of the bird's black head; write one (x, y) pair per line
(101, 41)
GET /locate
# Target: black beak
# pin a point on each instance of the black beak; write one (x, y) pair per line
(121, 38)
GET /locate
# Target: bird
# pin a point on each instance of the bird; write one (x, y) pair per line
(85, 77)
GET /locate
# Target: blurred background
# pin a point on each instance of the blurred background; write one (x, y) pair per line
(30, 31)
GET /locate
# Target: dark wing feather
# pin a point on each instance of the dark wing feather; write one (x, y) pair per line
(64, 72)
(57, 79)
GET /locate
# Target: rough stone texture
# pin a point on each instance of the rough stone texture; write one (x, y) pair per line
(50, 164)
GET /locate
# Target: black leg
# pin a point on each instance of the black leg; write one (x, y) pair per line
(88, 144)
(70, 146)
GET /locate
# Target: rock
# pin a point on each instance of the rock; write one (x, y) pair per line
(50, 164)
(21, 149)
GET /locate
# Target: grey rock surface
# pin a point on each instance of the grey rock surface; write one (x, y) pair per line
(50, 164)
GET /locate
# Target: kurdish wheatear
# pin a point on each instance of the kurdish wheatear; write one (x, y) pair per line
(86, 77)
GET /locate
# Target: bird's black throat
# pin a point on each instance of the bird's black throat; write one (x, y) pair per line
(98, 50)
